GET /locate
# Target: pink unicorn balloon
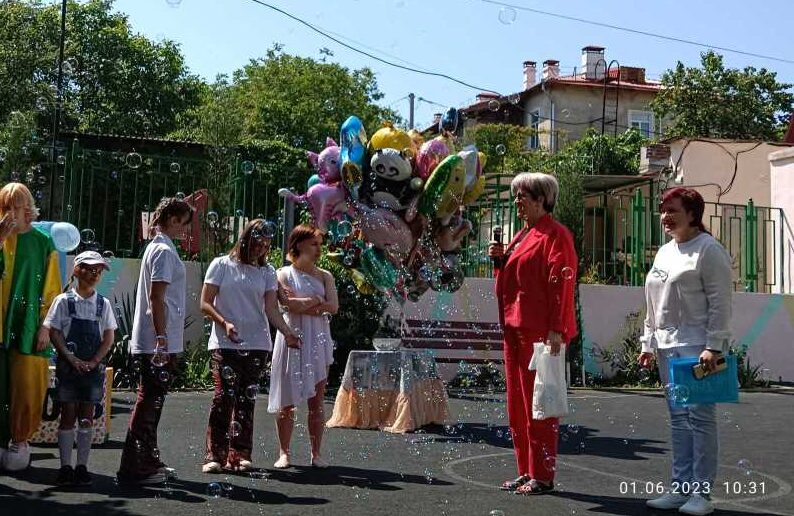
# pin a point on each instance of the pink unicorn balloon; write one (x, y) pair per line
(431, 153)
(327, 162)
(325, 201)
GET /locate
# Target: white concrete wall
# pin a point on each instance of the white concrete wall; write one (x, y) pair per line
(709, 163)
(763, 323)
(781, 175)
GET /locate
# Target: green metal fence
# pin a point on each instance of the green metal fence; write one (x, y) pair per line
(106, 188)
(108, 194)
(623, 232)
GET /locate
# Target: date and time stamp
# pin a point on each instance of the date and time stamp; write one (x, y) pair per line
(726, 488)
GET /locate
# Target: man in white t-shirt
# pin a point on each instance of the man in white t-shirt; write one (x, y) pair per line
(157, 332)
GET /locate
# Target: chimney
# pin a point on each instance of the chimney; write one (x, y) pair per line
(551, 69)
(487, 95)
(632, 74)
(436, 118)
(591, 56)
(530, 74)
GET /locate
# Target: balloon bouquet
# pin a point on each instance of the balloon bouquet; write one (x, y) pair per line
(393, 206)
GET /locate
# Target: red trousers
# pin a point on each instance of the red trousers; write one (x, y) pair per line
(534, 441)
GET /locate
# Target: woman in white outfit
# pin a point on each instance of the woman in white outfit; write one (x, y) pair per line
(688, 293)
(299, 374)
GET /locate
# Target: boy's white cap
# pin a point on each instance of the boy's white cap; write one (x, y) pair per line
(91, 258)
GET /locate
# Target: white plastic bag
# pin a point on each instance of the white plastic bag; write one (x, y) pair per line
(550, 397)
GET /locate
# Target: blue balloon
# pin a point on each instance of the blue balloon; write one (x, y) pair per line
(353, 147)
(315, 179)
(449, 121)
(65, 236)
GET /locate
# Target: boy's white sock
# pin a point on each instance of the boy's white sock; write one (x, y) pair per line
(84, 436)
(65, 445)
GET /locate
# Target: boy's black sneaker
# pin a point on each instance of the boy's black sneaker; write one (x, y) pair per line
(81, 476)
(65, 476)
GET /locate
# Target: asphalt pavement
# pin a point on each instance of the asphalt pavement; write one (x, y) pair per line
(614, 451)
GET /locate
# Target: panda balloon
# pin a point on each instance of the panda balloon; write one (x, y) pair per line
(391, 184)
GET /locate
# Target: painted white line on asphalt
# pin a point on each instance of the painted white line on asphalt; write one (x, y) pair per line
(784, 487)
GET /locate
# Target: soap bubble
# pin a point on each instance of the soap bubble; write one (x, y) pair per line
(88, 236)
(235, 429)
(133, 160)
(501, 149)
(175, 168)
(268, 230)
(173, 3)
(65, 236)
(247, 167)
(212, 217)
(85, 423)
(351, 289)
(180, 196)
(344, 228)
(745, 465)
(238, 213)
(644, 374)
(251, 391)
(550, 463)
(227, 373)
(61, 159)
(163, 376)
(494, 105)
(566, 273)
(159, 358)
(214, 489)
(507, 15)
(573, 428)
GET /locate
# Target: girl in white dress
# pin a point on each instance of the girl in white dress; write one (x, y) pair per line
(300, 374)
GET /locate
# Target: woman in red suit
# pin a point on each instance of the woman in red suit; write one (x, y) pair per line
(535, 281)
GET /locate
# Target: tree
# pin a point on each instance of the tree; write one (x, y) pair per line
(604, 154)
(300, 101)
(115, 81)
(723, 102)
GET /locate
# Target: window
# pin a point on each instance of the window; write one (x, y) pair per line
(534, 124)
(643, 121)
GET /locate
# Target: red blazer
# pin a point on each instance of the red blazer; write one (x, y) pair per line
(535, 285)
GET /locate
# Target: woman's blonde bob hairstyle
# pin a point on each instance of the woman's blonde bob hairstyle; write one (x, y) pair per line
(537, 185)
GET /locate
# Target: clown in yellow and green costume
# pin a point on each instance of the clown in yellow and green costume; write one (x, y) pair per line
(29, 282)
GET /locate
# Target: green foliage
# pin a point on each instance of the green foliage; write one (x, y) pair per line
(358, 317)
(194, 367)
(115, 81)
(621, 354)
(295, 100)
(15, 152)
(749, 374)
(605, 154)
(723, 102)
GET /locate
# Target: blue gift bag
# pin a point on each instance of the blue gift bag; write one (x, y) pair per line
(722, 387)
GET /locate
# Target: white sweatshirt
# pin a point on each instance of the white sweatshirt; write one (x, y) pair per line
(688, 296)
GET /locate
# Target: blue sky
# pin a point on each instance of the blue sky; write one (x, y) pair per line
(467, 39)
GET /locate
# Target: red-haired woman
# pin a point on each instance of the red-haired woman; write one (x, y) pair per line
(300, 374)
(535, 283)
(688, 296)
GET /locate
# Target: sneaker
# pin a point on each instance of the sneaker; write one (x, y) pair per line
(65, 476)
(668, 501)
(81, 476)
(212, 467)
(697, 505)
(17, 457)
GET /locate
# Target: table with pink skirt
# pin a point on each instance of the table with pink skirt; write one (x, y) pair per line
(394, 391)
